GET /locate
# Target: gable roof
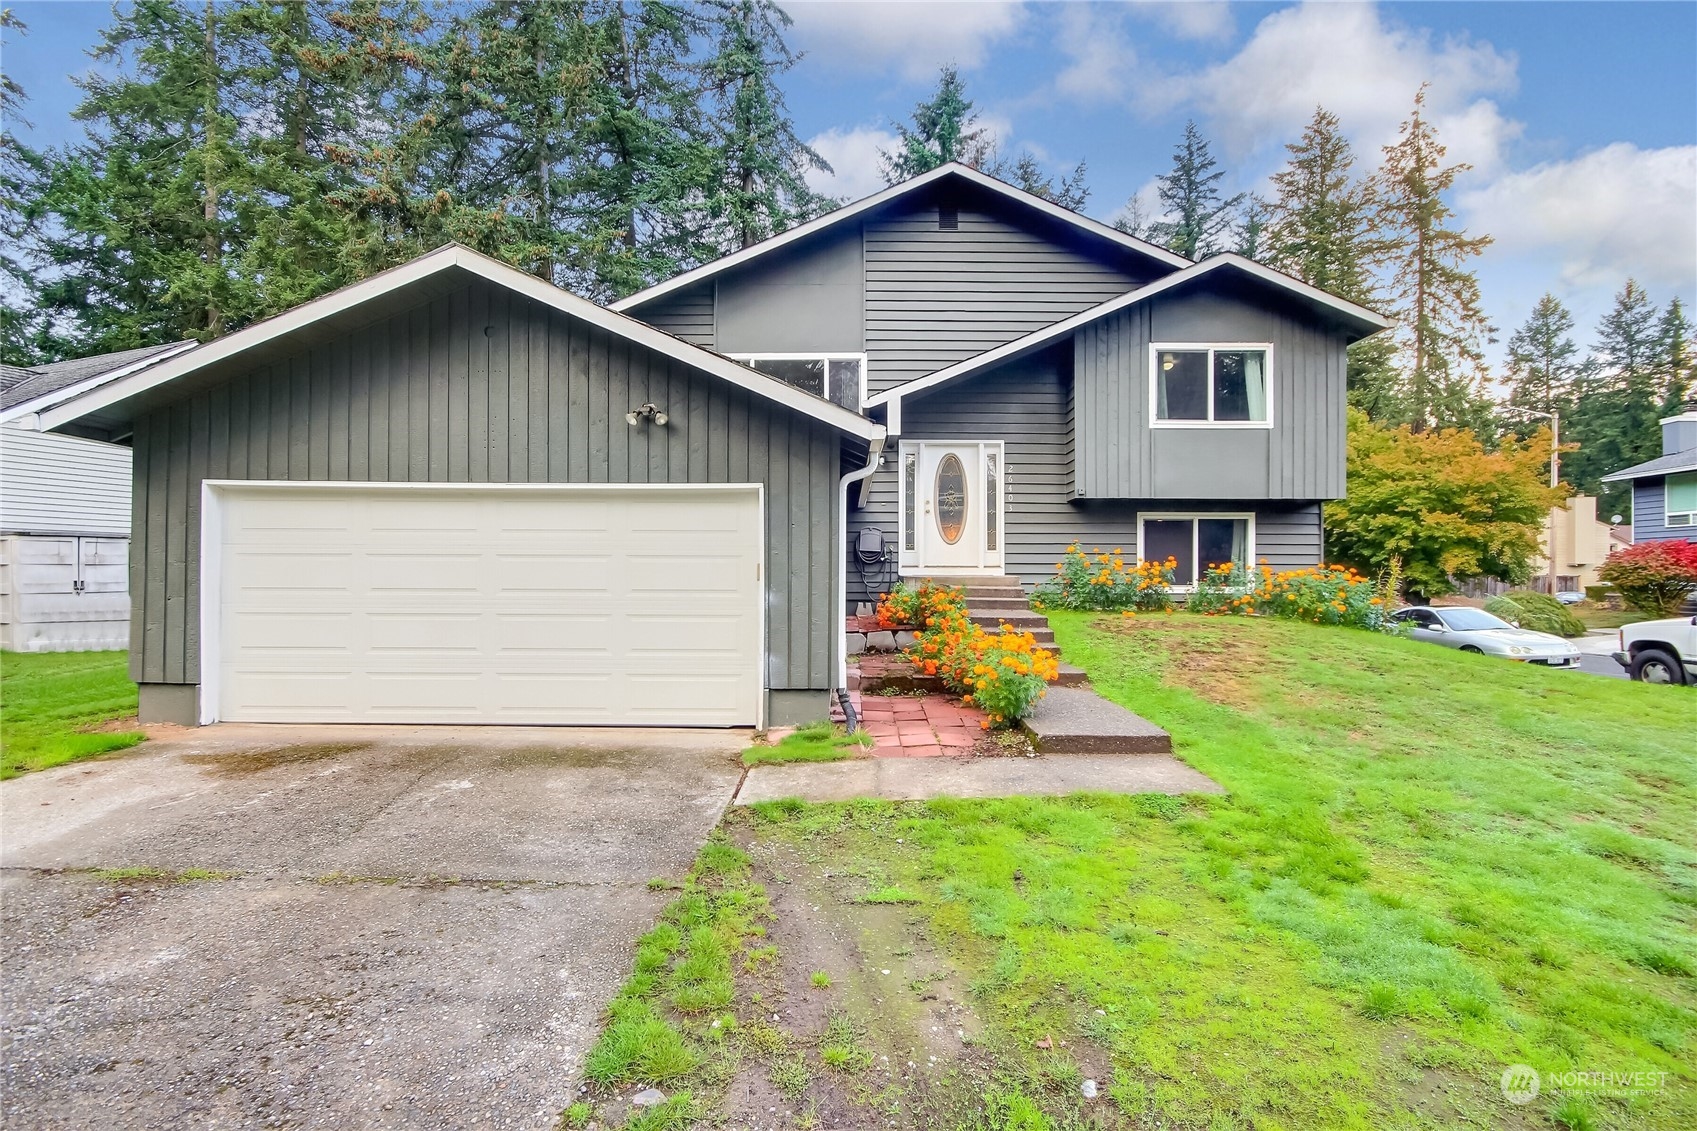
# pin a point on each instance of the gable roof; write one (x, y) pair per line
(1353, 315)
(111, 401)
(953, 170)
(24, 387)
(1661, 465)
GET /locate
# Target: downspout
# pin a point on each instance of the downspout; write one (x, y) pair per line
(874, 456)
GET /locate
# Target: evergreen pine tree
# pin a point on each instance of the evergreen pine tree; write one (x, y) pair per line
(758, 185)
(1543, 362)
(944, 129)
(1616, 421)
(1675, 363)
(1196, 217)
(1069, 192)
(1319, 225)
(147, 217)
(1435, 295)
(25, 331)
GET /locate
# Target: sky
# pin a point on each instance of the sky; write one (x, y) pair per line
(1579, 119)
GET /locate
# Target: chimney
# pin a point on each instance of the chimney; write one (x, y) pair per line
(1679, 433)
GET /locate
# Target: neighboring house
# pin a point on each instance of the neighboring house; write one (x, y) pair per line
(64, 517)
(455, 493)
(1664, 490)
(1583, 542)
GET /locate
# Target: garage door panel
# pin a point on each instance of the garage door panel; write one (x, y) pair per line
(635, 607)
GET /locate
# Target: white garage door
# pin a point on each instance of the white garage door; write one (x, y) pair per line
(589, 606)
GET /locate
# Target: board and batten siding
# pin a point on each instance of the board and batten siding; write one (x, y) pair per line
(936, 297)
(1117, 455)
(1026, 404)
(481, 386)
(55, 484)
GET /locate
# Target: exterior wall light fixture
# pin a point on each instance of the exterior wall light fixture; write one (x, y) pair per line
(649, 412)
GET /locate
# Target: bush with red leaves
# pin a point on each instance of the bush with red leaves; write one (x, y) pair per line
(1653, 577)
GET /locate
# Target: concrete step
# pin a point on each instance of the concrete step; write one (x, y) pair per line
(1070, 676)
(998, 606)
(993, 621)
(1076, 720)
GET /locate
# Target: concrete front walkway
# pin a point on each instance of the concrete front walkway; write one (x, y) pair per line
(895, 779)
(332, 927)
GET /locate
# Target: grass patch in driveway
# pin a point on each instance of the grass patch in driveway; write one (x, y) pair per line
(50, 701)
(1429, 867)
(816, 742)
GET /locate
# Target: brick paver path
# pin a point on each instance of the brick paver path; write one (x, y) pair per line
(910, 727)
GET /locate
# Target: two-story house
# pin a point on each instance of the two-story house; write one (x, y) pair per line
(455, 493)
(1664, 490)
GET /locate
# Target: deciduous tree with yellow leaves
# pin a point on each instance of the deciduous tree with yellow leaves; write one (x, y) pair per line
(1449, 509)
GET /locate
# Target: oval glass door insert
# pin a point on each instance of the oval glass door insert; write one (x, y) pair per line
(951, 498)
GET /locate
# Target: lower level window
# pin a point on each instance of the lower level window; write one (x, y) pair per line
(836, 377)
(1195, 543)
(1680, 495)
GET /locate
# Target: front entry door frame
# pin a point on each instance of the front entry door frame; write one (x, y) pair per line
(979, 546)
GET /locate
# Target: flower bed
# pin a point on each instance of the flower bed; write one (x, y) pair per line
(1101, 581)
(1004, 673)
(1323, 594)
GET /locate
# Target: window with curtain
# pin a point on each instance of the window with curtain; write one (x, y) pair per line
(1211, 385)
(1680, 498)
(1195, 543)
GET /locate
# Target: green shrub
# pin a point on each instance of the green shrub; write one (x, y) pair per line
(1547, 614)
(1505, 608)
(1323, 594)
(1597, 594)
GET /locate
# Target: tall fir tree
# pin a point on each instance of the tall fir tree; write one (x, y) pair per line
(1197, 220)
(1320, 229)
(148, 217)
(758, 183)
(944, 129)
(26, 333)
(1443, 328)
(1544, 365)
(1616, 420)
(1675, 362)
(1025, 173)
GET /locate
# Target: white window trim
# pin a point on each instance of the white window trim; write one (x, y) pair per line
(1687, 518)
(908, 561)
(1210, 348)
(748, 358)
(1249, 557)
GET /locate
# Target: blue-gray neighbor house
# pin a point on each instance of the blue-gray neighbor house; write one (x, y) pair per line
(1664, 490)
(453, 492)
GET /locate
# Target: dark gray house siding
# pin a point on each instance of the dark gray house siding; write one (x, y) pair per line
(935, 297)
(1117, 455)
(800, 299)
(1649, 514)
(1026, 404)
(478, 386)
(686, 314)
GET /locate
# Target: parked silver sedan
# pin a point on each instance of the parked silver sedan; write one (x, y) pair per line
(1475, 630)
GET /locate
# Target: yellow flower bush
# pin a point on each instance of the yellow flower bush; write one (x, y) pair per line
(1004, 672)
(1322, 594)
(1101, 580)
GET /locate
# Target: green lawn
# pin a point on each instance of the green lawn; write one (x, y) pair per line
(50, 701)
(1430, 866)
(815, 742)
(1595, 616)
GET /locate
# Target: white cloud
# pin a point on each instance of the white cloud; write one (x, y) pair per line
(912, 39)
(1100, 53)
(1615, 212)
(1205, 20)
(853, 157)
(1361, 67)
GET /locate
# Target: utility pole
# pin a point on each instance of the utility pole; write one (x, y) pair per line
(1555, 481)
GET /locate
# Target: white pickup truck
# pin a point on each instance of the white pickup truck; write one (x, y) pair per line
(1660, 651)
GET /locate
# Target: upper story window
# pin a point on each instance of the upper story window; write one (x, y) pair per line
(834, 376)
(1679, 496)
(1206, 385)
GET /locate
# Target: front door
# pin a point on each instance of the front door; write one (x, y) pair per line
(959, 517)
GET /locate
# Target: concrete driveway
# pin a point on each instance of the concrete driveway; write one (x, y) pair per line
(404, 927)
